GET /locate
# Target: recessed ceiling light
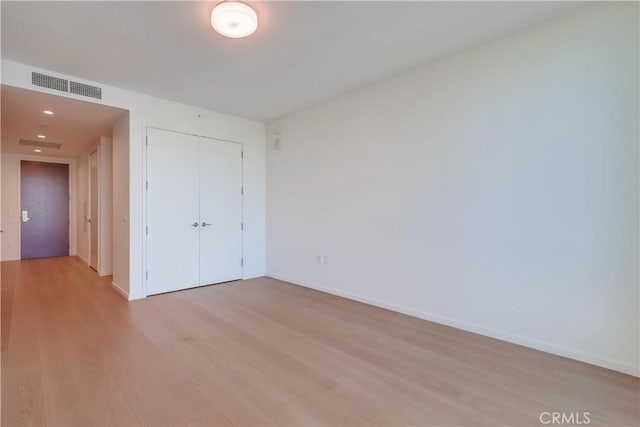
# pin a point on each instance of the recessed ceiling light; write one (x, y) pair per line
(234, 19)
(42, 136)
(48, 112)
(37, 150)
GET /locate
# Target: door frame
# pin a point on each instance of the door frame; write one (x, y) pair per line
(145, 205)
(73, 247)
(89, 225)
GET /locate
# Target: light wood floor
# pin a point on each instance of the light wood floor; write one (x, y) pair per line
(264, 352)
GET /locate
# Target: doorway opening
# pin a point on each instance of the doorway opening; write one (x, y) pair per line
(93, 219)
(57, 177)
(44, 216)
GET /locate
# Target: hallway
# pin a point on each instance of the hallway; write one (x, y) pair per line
(60, 324)
(264, 352)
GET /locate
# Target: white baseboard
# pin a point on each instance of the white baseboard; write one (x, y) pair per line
(503, 336)
(136, 297)
(120, 290)
(128, 297)
(250, 275)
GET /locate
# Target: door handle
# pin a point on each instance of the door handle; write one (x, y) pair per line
(25, 216)
(195, 224)
(204, 224)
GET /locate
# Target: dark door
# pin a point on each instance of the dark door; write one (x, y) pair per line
(44, 194)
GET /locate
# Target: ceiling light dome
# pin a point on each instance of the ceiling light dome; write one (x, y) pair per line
(234, 19)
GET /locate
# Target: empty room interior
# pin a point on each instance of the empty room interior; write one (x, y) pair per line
(303, 213)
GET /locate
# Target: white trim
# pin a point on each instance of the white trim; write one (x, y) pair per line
(191, 134)
(145, 206)
(120, 290)
(93, 214)
(515, 339)
(84, 260)
(252, 275)
(128, 297)
(136, 297)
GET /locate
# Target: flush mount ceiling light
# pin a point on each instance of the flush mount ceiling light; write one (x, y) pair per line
(48, 112)
(37, 150)
(41, 136)
(234, 19)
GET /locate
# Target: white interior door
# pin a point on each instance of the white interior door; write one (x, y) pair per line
(220, 211)
(93, 210)
(172, 211)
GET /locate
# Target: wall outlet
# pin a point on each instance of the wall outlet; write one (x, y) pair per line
(318, 259)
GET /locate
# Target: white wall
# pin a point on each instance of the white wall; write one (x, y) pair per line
(105, 206)
(149, 111)
(120, 219)
(495, 191)
(10, 208)
(11, 225)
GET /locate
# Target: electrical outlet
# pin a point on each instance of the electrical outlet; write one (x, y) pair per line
(325, 259)
(318, 259)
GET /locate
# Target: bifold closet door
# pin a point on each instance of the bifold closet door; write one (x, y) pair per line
(220, 211)
(173, 218)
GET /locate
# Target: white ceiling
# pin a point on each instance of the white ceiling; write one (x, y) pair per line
(75, 124)
(303, 52)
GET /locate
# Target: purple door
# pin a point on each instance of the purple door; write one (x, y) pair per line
(44, 194)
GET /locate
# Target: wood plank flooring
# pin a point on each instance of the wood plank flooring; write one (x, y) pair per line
(264, 352)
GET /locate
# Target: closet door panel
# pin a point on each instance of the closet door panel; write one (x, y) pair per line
(220, 211)
(172, 211)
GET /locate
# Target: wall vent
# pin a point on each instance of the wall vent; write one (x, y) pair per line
(50, 82)
(43, 144)
(63, 85)
(85, 90)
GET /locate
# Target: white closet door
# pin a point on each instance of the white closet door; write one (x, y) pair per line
(172, 211)
(220, 211)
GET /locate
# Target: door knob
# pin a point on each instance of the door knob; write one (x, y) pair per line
(195, 224)
(204, 224)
